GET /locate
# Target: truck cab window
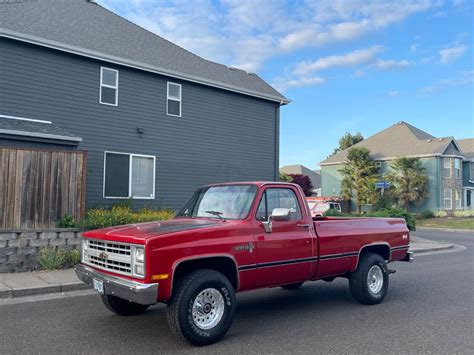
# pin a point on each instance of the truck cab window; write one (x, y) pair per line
(278, 198)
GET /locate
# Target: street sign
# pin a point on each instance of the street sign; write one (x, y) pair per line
(382, 185)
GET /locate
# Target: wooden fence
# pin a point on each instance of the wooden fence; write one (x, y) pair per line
(38, 187)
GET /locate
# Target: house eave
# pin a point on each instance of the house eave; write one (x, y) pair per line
(392, 158)
(134, 64)
(40, 135)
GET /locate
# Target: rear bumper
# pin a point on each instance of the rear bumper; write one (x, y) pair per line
(128, 290)
(409, 257)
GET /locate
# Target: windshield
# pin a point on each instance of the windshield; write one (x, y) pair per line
(222, 202)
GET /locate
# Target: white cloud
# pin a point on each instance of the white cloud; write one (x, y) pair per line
(283, 84)
(449, 55)
(462, 79)
(354, 58)
(393, 93)
(391, 64)
(247, 33)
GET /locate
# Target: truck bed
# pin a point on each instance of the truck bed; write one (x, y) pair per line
(341, 240)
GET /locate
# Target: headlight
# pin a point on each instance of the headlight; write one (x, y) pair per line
(85, 245)
(139, 255)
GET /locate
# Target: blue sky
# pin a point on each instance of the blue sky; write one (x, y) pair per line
(348, 66)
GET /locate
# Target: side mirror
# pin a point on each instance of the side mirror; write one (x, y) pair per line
(278, 214)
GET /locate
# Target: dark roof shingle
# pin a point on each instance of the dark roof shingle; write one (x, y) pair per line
(89, 29)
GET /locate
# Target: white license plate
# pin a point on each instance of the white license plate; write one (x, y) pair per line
(98, 286)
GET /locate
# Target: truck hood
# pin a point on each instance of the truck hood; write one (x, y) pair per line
(142, 231)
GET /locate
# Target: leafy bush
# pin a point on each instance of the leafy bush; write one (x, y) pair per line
(427, 214)
(67, 221)
(440, 214)
(304, 181)
(51, 258)
(463, 214)
(335, 213)
(118, 215)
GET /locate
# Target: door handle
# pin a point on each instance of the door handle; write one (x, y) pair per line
(303, 225)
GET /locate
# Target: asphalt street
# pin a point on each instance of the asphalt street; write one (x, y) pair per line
(429, 309)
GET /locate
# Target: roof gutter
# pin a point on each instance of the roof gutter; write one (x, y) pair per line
(40, 135)
(134, 64)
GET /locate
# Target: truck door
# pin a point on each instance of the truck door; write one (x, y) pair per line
(285, 254)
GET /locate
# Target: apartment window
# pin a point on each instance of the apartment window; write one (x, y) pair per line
(447, 198)
(129, 175)
(378, 166)
(173, 100)
(447, 168)
(471, 173)
(457, 168)
(108, 86)
(457, 199)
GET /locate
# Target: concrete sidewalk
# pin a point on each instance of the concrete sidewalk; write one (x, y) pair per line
(38, 282)
(44, 282)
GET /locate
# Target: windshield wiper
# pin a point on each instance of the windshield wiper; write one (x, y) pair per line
(218, 214)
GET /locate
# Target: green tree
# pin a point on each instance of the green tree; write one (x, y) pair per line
(347, 141)
(409, 181)
(285, 177)
(359, 177)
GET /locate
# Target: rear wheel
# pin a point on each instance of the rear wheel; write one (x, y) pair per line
(369, 283)
(294, 286)
(122, 307)
(202, 307)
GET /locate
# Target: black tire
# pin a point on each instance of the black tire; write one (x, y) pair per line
(359, 283)
(294, 286)
(180, 308)
(122, 307)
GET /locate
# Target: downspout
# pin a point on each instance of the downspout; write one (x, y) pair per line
(277, 141)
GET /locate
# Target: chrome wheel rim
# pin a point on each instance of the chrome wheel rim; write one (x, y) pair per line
(375, 279)
(208, 308)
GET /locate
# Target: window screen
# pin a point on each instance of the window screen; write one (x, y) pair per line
(142, 176)
(117, 172)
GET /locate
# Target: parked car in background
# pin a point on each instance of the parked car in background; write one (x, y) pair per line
(319, 207)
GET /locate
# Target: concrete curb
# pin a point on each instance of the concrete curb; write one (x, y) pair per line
(435, 248)
(445, 229)
(8, 292)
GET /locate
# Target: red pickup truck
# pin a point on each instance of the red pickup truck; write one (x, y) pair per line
(230, 238)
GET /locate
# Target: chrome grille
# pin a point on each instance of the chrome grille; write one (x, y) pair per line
(115, 257)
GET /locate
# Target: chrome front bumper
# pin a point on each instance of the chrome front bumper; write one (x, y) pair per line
(128, 290)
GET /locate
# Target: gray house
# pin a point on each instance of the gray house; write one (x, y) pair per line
(156, 120)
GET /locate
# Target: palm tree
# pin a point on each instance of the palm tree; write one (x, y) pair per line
(359, 177)
(409, 181)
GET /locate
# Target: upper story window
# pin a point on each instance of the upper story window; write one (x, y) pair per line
(173, 100)
(129, 175)
(108, 86)
(457, 168)
(447, 168)
(471, 173)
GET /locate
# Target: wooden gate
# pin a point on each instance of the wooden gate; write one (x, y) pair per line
(38, 187)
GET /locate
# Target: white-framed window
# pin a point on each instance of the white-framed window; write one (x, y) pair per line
(129, 175)
(457, 199)
(447, 168)
(173, 99)
(457, 168)
(447, 198)
(109, 79)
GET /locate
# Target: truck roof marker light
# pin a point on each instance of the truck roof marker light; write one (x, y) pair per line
(160, 277)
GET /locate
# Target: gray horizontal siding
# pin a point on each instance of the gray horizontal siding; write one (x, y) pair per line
(221, 136)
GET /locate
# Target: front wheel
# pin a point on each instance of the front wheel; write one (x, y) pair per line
(202, 307)
(122, 307)
(369, 283)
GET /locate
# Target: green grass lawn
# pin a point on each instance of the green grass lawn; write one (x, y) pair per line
(455, 223)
